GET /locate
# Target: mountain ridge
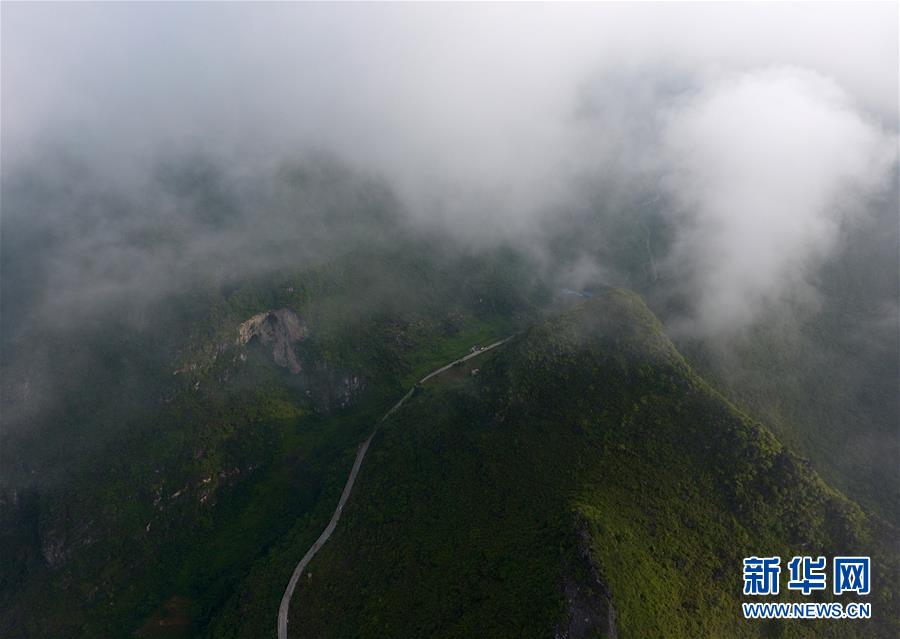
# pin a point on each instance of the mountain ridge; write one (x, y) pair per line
(673, 484)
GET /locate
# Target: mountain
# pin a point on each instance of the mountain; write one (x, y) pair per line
(586, 482)
(185, 450)
(584, 472)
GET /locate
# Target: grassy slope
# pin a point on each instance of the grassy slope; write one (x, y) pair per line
(850, 430)
(464, 518)
(841, 353)
(295, 463)
(250, 610)
(218, 567)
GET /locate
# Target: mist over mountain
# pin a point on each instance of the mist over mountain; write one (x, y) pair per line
(404, 182)
(482, 121)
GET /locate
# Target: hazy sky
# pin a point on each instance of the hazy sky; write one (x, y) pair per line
(764, 127)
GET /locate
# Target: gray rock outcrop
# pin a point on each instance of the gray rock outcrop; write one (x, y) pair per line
(279, 330)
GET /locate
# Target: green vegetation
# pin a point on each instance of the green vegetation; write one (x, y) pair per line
(828, 391)
(466, 519)
(177, 505)
(185, 514)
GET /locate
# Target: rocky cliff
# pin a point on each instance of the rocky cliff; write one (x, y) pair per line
(279, 330)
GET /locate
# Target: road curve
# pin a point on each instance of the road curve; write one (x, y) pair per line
(360, 455)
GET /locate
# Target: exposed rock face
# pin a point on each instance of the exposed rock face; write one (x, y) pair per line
(330, 389)
(589, 607)
(327, 387)
(279, 330)
(60, 539)
(350, 386)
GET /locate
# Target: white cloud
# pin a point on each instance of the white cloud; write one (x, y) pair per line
(764, 169)
(768, 119)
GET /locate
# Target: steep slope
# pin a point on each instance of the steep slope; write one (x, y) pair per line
(585, 474)
(182, 505)
(837, 342)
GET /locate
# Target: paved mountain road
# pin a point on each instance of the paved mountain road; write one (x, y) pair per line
(360, 455)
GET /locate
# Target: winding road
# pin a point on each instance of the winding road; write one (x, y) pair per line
(360, 456)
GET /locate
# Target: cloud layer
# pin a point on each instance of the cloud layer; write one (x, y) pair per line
(765, 169)
(761, 129)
